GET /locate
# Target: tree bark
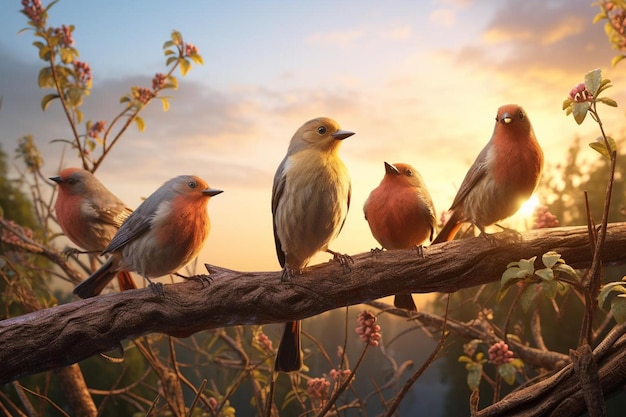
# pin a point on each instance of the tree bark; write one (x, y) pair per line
(66, 334)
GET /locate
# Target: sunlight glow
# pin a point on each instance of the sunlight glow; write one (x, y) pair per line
(529, 206)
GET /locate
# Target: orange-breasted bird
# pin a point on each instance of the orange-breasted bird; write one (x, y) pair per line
(163, 234)
(503, 176)
(89, 214)
(401, 214)
(310, 200)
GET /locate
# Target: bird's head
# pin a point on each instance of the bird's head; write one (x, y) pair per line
(75, 180)
(512, 116)
(402, 173)
(322, 134)
(191, 187)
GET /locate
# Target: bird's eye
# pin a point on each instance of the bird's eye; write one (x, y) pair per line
(497, 118)
(521, 115)
(191, 184)
(71, 181)
(409, 173)
(321, 130)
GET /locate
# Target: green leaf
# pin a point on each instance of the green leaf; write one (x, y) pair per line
(173, 81)
(550, 258)
(462, 358)
(124, 99)
(608, 288)
(592, 81)
(170, 60)
(618, 307)
(168, 44)
(196, 58)
(507, 372)
(529, 294)
(599, 17)
(562, 288)
(579, 110)
(608, 101)
(546, 274)
(617, 59)
(528, 265)
(605, 84)
(600, 146)
(474, 374)
(169, 52)
(66, 55)
(177, 37)
(185, 66)
(46, 100)
(549, 289)
(567, 104)
(79, 115)
(45, 78)
(165, 102)
(565, 268)
(141, 125)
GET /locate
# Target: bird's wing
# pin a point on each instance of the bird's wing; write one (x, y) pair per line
(135, 225)
(112, 214)
(473, 176)
(278, 187)
(347, 208)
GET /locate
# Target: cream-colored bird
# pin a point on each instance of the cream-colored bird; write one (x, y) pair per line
(310, 200)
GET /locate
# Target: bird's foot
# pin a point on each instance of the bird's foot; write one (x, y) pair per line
(376, 251)
(157, 287)
(343, 259)
(202, 278)
(507, 235)
(287, 274)
(420, 250)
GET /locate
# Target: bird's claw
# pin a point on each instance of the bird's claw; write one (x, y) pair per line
(343, 259)
(376, 251)
(286, 274)
(202, 278)
(420, 250)
(157, 288)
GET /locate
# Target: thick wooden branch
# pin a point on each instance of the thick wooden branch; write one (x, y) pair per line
(66, 334)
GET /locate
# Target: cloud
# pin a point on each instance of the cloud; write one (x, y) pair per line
(338, 38)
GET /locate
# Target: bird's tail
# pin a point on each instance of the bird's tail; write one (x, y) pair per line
(94, 285)
(289, 357)
(404, 301)
(126, 281)
(449, 230)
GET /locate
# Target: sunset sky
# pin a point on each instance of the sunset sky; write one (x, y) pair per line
(418, 81)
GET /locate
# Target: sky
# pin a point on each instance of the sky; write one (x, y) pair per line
(418, 81)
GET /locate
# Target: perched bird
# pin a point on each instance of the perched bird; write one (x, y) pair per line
(401, 214)
(89, 214)
(503, 176)
(310, 200)
(163, 234)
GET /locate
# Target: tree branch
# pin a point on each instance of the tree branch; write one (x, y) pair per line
(68, 333)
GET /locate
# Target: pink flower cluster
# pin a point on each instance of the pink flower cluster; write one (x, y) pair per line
(318, 388)
(144, 95)
(66, 35)
(368, 330)
(83, 72)
(264, 341)
(500, 354)
(158, 82)
(190, 49)
(33, 10)
(580, 94)
(617, 16)
(8, 237)
(339, 375)
(543, 218)
(96, 129)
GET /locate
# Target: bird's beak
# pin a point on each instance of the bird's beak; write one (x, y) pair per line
(211, 192)
(391, 169)
(507, 118)
(56, 179)
(342, 134)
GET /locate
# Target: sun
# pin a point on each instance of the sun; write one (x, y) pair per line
(528, 208)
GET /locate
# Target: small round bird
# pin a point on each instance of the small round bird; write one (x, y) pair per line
(401, 214)
(310, 201)
(89, 214)
(163, 234)
(503, 176)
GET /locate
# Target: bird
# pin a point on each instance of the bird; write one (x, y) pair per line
(401, 214)
(310, 201)
(163, 234)
(89, 214)
(502, 177)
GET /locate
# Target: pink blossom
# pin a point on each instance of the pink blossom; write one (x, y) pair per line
(500, 354)
(368, 330)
